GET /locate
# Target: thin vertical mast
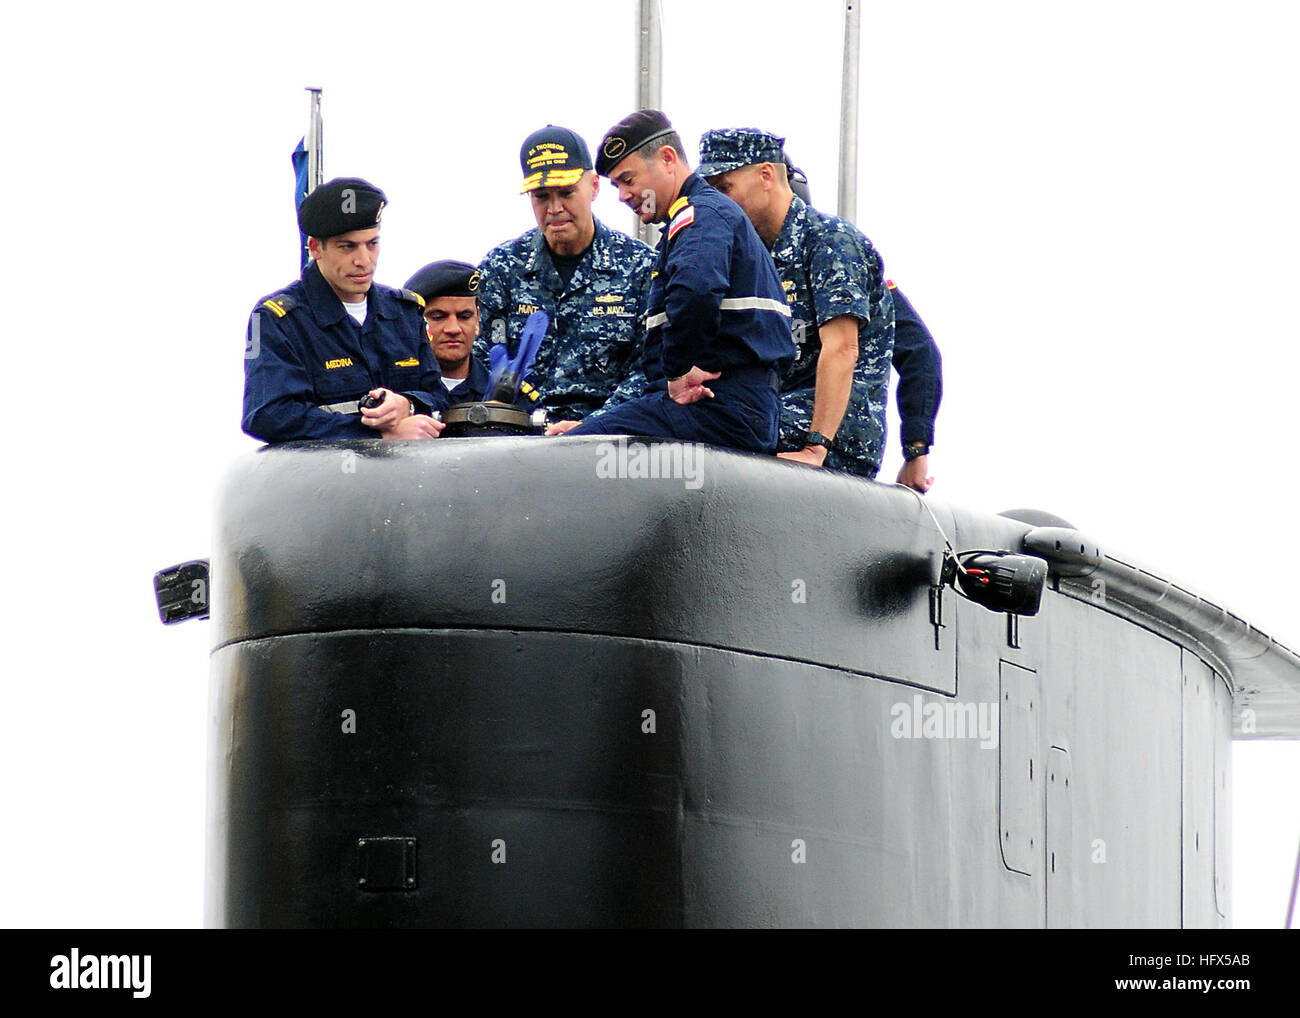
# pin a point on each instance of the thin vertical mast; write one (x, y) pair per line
(1295, 883)
(848, 196)
(649, 92)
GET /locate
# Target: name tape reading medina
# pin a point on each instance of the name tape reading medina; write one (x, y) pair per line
(624, 460)
(101, 972)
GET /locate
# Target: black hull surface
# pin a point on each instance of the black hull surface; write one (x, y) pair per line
(511, 682)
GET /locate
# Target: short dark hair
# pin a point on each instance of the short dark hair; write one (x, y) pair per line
(651, 149)
(324, 241)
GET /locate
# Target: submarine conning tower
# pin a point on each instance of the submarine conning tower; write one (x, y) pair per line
(601, 682)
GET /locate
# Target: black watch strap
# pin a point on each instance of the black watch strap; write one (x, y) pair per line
(817, 438)
(915, 451)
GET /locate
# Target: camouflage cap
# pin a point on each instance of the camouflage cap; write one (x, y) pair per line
(734, 147)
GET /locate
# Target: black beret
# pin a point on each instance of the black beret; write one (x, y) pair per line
(628, 135)
(340, 206)
(445, 279)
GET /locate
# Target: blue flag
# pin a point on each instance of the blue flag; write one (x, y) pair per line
(300, 171)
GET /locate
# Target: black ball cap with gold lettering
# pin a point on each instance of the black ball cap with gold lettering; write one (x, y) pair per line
(628, 135)
(446, 278)
(553, 157)
(340, 206)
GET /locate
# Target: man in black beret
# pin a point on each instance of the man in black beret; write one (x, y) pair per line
(318, 348)
(451, 316)
(450, 292)
(718, 329)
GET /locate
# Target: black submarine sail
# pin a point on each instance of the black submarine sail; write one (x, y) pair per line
(515, 681)
(664, 699)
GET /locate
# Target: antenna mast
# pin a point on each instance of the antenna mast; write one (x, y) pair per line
(848, 196)
(649, 91)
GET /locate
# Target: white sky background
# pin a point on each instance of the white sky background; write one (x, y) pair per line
(1094, 207)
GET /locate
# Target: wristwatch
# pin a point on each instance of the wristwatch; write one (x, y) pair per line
(915, 450)
(817, 438)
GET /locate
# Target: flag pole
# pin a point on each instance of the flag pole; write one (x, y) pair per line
(315, 165)
(308, 168)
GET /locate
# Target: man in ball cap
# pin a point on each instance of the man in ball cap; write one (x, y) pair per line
(322, 345)
(847, 318)
(450, 292)
(590, 280)
(718, 331)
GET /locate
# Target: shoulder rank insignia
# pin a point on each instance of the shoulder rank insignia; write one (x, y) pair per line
(681, 220)
(410, 362)
(279, 305)
(413, 297)
(677, 206)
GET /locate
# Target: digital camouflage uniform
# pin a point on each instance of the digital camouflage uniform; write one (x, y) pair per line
(829, 269)
(597, 322)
